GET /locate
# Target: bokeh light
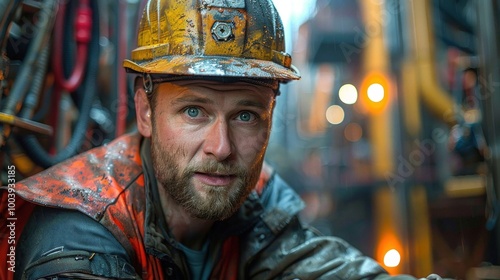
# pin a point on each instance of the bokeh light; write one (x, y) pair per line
(392, 258)
(376, 92)
(348, 94)
(353, 132)
(335, 114)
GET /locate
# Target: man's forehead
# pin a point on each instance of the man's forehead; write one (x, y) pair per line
(216, 94)
(216, 86)
(159, 78)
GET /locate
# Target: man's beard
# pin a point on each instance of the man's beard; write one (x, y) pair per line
(219, 202)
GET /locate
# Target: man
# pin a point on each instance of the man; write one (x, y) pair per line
(188, 196)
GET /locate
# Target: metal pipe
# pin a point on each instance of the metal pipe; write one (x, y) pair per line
(432, 94)
(24, 78)
(7, 10)
(489, 46)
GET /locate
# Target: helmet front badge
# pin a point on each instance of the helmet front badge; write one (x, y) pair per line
(222, 31)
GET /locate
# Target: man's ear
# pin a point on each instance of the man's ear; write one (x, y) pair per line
(143, 112)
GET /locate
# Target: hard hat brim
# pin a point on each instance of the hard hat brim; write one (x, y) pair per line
(214, 66)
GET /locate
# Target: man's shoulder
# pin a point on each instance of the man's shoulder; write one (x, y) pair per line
(277, 194)
(90, 181)
(53, 237)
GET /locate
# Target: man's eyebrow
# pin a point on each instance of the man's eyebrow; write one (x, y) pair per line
(192, 99)
(204, 100)
(251, 103)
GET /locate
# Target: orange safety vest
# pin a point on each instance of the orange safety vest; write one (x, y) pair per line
(107, 184)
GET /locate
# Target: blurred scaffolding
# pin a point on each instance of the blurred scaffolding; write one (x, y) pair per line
(390, 135)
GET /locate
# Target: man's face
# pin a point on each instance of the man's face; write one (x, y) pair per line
(208, 143)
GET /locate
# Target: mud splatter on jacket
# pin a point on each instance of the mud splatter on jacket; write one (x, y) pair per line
(109, 185)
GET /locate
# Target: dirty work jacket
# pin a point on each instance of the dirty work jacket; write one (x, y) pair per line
(263, 240)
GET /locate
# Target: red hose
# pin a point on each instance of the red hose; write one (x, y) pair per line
(83, 34)
(83, 26)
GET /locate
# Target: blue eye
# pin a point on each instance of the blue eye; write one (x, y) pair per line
(193, 112)
(246, 116)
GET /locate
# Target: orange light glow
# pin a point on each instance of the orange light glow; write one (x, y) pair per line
(392, 258)
(388, 248)
(375, 92)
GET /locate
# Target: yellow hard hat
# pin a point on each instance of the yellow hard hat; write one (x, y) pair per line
(213, 38)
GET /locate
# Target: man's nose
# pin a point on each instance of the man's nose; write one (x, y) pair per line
(218, 141)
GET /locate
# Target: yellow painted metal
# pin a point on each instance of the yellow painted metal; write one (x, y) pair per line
(387, 218)
(465, 186)
(411, 100)
(421, 245)
(421, 86)
(25, 124)
(431, 93)
(381, 138)
(240, 38)
(24, 164)
(375, 58)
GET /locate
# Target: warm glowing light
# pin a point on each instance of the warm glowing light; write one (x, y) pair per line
(376, 92)
(335, 114)
(392, 258)
(348, 94)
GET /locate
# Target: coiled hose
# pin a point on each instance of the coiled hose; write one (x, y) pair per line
(87, 92)
(31, 100)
